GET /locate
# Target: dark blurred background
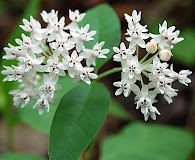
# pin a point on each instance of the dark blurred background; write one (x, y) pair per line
(181, 113)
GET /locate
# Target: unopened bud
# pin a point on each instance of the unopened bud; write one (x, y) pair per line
(165, 55)
(151, 47)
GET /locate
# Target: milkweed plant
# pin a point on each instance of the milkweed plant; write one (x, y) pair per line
(59, 50)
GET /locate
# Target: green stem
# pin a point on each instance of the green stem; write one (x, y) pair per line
(142, 83)
(144, 58)
(150, 59)
(145, 74)
(137, 50)
(111, 71)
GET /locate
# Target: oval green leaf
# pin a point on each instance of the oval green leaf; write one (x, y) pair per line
(77, 120)
(139, 141)
(105, 21)
(20, 156)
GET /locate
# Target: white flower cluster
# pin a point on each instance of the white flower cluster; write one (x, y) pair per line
(153, 66)
(48, 53)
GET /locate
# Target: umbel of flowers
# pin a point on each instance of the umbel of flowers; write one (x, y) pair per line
(49, 53)
(153, 65)
(58, 50)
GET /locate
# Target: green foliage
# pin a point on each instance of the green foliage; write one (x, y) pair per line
(77, 120)
(20, 156)
(104, 20)
(139, 141)
(184, 52)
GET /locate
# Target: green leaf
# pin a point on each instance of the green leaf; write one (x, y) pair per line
(43, 122)
(139, 141)
(117, 110)
(184, 52)
(20, 156)
(104, 20)
(77, 120)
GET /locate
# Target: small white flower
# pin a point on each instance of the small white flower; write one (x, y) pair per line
(73, 63)
(124, 87)
(181, 76)
(173, 39)
(29, 62)
(145, 101)
(49, 16)
(56, 25)
(27, 45)
(91, 54)
(133, 68)
(22, 97)
(160, 38)
(144, 97)
(75, 17)
(169, 94)
(34, 27)
(43, 104)
(135, 18)
(13, 52)
(166, 37)
(158, 68)
(81, 35)
(136, 37)
(53, 65)
(122, 52)
(49, 86)
(13, 73)
(98, 51)
(55, 28)
(62, 44)
(85, 35)
(152, 111)
(74, 59)
(86, 75)
(163, 84)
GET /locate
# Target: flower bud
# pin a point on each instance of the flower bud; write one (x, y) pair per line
(151, 47)
(165, 55)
